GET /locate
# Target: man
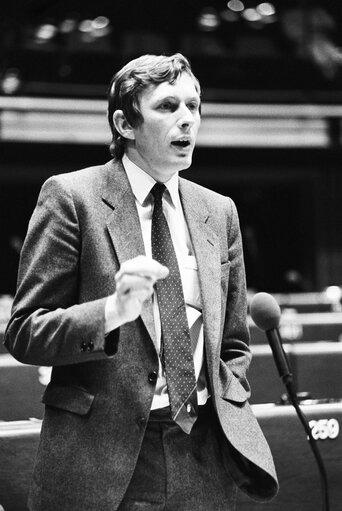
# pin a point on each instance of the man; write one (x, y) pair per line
(126, 269)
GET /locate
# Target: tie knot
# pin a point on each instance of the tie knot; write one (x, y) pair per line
(158, 190)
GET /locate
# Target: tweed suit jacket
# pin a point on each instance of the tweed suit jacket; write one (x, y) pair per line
(98, 401)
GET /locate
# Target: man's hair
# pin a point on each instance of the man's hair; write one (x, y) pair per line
(128, 83)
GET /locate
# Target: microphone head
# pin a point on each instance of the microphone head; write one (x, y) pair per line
(265, 311)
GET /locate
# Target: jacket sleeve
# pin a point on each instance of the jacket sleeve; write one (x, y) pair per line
(48, 326)
(235, 351)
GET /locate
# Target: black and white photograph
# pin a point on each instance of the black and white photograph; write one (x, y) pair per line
(171, 255)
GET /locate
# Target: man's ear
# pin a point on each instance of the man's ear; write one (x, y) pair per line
(122, 125)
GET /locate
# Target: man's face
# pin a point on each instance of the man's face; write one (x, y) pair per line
(164, 142)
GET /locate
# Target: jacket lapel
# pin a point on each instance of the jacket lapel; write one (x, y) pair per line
(207, 251)
(124, 226)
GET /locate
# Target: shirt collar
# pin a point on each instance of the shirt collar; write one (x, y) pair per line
(142, 183)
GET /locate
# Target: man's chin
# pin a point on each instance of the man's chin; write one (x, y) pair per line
(184, 162)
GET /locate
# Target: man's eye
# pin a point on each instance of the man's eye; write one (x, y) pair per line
(193, 107)
(166, 106)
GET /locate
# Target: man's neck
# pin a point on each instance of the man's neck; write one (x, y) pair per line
(161, 176)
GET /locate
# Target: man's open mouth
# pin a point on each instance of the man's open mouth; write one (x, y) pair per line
(181, 143)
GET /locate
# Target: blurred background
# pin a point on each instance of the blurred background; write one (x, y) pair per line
(271, 74)
(271, 138)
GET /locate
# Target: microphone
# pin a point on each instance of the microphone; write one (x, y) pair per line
(266, 313)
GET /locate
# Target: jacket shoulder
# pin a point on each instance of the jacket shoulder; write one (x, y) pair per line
(82, 177)
(210, 197)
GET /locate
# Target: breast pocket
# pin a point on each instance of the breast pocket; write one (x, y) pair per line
(190, 281)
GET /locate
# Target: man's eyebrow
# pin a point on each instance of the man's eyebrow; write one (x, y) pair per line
(176, 97)
(168, 96)
(195, 98)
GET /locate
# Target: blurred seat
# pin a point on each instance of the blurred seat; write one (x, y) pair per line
(316, 369)
(303, 327)
(263, 377)
(18, 445)
(328, 300)
(21, 389)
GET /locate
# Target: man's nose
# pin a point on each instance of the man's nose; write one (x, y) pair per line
(186, 118)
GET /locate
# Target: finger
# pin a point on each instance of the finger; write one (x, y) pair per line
(144, 266)
(134, 283)
(139, 277)
(141, 295)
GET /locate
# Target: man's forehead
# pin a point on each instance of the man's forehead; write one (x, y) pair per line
(169, 88)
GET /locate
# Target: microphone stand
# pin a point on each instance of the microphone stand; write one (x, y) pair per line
(287, 378)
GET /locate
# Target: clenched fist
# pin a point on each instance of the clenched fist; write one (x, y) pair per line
(134, 285)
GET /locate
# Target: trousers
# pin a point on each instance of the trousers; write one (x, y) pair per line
(180, 472)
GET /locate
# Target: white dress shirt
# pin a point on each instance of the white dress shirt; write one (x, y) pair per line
(141, 184)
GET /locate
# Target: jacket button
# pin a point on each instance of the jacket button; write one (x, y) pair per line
(152, 377)
(83, 346)
(141, 421)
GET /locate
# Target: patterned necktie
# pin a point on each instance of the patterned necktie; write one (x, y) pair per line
(176, 352)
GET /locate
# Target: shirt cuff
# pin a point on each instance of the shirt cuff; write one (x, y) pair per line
(112, 318)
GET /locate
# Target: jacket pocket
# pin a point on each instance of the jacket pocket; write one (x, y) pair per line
(70, 398)
(231, 388)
